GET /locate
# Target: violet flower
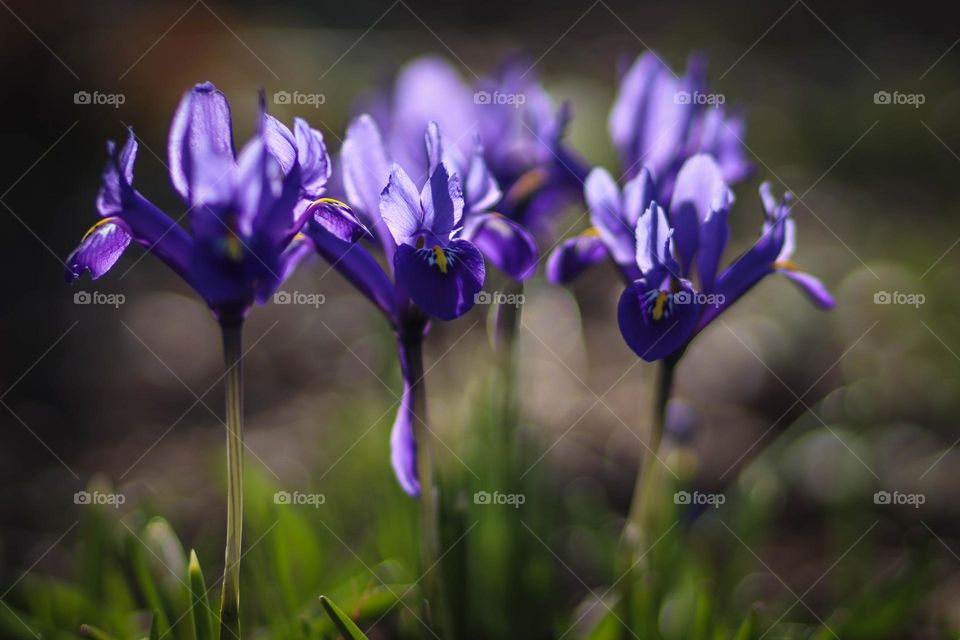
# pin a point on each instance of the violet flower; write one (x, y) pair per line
(245, 213)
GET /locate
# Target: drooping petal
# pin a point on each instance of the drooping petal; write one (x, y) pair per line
(360, 268)
(606, 215)
(403, 444)
(655, 323)
(812, 286)
(504, 242)
(443, 281)
(338, 218)
(313, 158)
(99, 249)
(574, 255)
(202, 122)
(299, 248)
(400, 207)
(147, 225)
(442, 200)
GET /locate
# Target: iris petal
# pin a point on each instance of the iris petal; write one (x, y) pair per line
(99, 249)
(505, 243)
(574, 256)
(202, 121)
(443, 287)
(657, 323)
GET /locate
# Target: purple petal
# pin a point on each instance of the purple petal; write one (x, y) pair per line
(299, 248)
(810, 285)
(99, 249)
(443, 281)
(202, 122)
(279, 141)
(400, 207)
(366, 170)
(403, 445)
(657, 323)
(480, 190)
(337, 218)
(699, 190)
(442, 200)
(505, 243)
(313, 158)
(654, 240)
(574, 256)
(606, 215)
(360, 268)
(713, 240)
(638, 193)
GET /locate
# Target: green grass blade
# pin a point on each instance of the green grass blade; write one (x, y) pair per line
(155, 626)
(342, 621)
(92, 632)
(199, 605)
(747, 627)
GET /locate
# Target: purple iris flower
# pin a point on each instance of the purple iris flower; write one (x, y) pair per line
(245, 210)
(436, 270)
(508, 121)
(676, 286)
(659, 119)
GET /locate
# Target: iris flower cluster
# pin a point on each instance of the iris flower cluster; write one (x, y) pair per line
(436, 177)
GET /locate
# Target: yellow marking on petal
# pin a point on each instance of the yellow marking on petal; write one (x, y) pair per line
(592, 232)
(301, 236)
(659, 305)
(234, 247)
(527, 185)
(789, 265)
(440, 257)
(96, 226)
(332, 201)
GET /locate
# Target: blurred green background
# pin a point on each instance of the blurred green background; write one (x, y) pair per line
(796, 416)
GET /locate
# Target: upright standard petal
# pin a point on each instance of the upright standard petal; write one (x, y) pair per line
(606, 215)
(202, 122)
(313, 158)
(366, 165)
(442, 200)
(400, 207)
(443, 281)
(700, 189)
(656, 321)
(504, 242)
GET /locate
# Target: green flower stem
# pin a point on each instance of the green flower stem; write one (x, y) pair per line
(429, 508)
(230, 601)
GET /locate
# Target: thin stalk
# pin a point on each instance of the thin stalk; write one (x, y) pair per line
(412, 356)
(637, 532)
(230, 600)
